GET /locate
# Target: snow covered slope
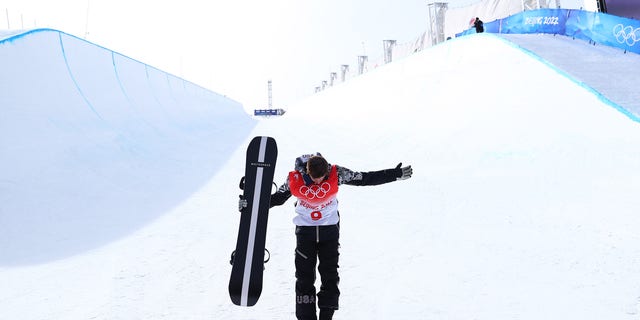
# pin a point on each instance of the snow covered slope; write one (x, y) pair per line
(523, 203)
(610, 63)
(95, 144)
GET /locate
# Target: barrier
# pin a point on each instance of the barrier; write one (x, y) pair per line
(268, 112)
(599, 27)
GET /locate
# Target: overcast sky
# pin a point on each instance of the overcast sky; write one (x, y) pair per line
(234, 47)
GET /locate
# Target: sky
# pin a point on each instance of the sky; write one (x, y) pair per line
(235, 47)
(119, 190)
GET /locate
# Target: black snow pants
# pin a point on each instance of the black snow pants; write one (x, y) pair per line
(317, 244)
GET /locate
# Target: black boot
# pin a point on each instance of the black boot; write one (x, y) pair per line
(326, 314)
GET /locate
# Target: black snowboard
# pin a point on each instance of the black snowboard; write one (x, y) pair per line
(245, 284)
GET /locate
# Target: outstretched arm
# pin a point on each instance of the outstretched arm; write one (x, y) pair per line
(372, 178)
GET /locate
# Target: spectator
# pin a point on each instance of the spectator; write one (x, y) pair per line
(478, 25)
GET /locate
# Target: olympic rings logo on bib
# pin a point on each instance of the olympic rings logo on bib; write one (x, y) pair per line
(315, 191)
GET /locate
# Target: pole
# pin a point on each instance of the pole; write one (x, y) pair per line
(343, 72)
(362, 60)
(270, 97)
(86, 25)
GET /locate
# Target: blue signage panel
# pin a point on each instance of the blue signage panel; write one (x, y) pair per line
(601, 28)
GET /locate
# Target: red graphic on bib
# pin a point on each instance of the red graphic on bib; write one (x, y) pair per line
(316, 215)
(314, 194)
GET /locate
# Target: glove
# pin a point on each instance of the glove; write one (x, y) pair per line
(403, 173)
(242, 203)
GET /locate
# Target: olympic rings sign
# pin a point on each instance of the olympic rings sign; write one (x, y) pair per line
(626, 34)
(315, 191)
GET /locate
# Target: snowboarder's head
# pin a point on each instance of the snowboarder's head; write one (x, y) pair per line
(317, 168)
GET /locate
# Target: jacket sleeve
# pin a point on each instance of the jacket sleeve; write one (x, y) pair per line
(281, 196)
(371, 178)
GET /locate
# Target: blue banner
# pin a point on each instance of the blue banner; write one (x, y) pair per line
(599, 27)
(536, 21)
(268, 112)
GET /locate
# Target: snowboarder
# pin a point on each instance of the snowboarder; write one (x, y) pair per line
(479, 25)
(314, 183)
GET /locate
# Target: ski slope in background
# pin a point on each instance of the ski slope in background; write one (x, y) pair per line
(523, 203)
(94, 144)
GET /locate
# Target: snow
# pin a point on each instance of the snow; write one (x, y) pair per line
(588, 69)
(523, 203)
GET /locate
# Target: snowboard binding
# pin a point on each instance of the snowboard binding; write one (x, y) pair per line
(242, 184)
(266, 251)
